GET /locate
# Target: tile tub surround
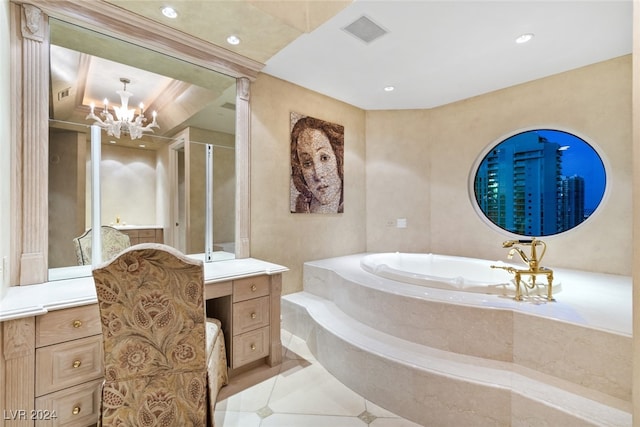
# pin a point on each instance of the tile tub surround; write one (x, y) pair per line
(300, 392)
(571, 357)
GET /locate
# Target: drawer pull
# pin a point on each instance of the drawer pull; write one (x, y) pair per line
(77, 323)
(76, 410)
(253, 288)
(253, 347)
(77, 363)
(254, 315)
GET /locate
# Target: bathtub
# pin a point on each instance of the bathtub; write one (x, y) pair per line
(517, 362)
(449, 272)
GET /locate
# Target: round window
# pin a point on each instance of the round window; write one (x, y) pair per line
(539, 182)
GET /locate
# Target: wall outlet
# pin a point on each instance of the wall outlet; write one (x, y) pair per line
(401, 223)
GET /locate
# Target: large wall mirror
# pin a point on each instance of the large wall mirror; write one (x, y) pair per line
(152, 188)
(539, 182)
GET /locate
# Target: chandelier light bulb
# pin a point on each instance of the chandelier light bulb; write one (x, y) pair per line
(126, 121)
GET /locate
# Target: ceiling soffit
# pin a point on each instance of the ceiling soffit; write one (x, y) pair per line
(305, 16)
(264, 27)
(114, 21)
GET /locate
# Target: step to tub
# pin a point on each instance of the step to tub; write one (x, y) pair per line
(575, 338)
(434, 387)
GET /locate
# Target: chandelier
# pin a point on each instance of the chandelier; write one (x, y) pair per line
(126, 121)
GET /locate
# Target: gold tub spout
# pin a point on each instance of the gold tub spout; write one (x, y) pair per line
(533, 262)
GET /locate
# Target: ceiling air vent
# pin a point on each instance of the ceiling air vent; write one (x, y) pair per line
(365, 29)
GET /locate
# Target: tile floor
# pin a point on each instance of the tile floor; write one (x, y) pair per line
(298, 393)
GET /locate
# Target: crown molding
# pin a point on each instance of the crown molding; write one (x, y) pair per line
(114, 21)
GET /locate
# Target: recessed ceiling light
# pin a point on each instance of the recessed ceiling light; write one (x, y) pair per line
(524, 38)
(389, 88)
(234, 40)
(169, 12)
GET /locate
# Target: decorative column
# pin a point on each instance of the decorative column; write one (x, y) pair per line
(275, 341)
(243, 172)
(31, 145)
(18, 351)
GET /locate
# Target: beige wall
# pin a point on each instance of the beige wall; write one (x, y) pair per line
(5, 166)
(67, 193)
(5, 140)
(276, 234)
(418, 166)
(635, 153)
(398, 176)
(224, 183)
(128, 185)
(224, 194)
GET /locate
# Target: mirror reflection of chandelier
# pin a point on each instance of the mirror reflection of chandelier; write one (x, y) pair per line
(126, 121)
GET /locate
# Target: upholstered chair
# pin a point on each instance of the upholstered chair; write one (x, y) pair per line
(113, 242)
(164, 361)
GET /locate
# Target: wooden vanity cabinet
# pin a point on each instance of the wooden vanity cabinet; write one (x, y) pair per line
(249, 310)
(144, 235)
(68, 367)
(51, 365)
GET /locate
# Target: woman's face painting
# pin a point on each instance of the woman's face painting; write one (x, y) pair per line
(319, 165)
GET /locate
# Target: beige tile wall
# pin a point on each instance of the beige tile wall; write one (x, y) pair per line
(276, 234)
(415, 164)
(419, 163)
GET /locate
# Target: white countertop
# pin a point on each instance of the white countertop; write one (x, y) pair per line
(123, 226)
(34, 300)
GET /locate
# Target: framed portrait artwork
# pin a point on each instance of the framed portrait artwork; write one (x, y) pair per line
(317, 165)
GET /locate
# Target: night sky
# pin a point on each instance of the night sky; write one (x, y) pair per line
(582, 160)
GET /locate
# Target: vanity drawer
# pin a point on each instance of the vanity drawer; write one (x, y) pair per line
(250, 287)
(250, 314)
(77, 406)
(133, 234)
(69, 324)
(147, 240)
(146, 233)
(250, 346)
(63, 365)
(149, 235)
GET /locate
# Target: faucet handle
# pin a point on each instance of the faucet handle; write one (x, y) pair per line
(510, 243)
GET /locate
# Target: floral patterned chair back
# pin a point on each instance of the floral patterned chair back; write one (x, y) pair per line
(153, 321)
(113, 242)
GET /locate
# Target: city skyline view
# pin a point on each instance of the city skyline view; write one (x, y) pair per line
(540, 182)
(583, 160)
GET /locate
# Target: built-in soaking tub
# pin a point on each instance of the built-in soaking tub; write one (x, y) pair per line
(498, 361)
(450, 272)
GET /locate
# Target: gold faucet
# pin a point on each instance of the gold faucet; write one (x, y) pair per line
(532, 260)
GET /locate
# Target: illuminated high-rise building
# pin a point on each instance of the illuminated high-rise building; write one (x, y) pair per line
(572, 202)
(519, 185)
